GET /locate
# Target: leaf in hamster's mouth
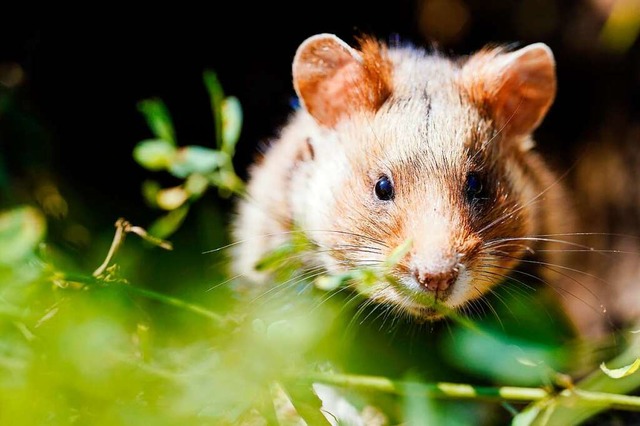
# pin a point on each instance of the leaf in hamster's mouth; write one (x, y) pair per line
(421, 314)
(424, 314)
(424, 306)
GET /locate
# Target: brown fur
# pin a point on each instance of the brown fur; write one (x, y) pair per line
(333, 80)
(376, 81)
(516, 96)
(480, 81)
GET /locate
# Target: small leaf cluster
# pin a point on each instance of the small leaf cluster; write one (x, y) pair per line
(197, 167)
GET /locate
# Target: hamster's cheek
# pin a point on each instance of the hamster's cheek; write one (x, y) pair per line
(315, 204)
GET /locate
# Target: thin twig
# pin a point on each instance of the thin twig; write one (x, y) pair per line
(118, 239)
(123, 227)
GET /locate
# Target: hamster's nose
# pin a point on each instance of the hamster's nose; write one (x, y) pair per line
(439, 282)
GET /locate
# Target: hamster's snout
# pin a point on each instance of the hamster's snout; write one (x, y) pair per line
(438, 267)
(437, 282)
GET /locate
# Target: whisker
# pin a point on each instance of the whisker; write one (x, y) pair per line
(516, 289)
(384, 313)
(474, 306)
(493, 310)
(329, 296)
(363, 307)
(554, 265)
(375, 307)
(372, 250)
(507, 215)
(352, 234)
(558, 290)
(513, 280)
(506, 277)
(224, 282)
(291, 282)
(598, 251)
(507, 244)
(491, 243)
(589, 234)
(287, 260)
(527, 204)
(291, 232)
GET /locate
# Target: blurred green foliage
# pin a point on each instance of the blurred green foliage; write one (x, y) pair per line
(102, 351)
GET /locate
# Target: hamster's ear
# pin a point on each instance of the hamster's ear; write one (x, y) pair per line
(332, 79)
(516, 88)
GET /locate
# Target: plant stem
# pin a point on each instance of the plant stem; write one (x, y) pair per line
(118, 239)
(150, 294)
(178, 303)
(433, 390)
(593, 388)
(609, 400)
(445, 390)
(123, 227)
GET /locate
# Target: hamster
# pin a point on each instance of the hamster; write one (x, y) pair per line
(396, 143)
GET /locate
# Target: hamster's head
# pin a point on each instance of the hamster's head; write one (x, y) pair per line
(407, 145)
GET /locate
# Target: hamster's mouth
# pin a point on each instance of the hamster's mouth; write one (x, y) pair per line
(422, 314)
(410, 299)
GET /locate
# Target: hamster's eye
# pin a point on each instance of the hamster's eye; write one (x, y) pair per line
(475, 188)
(384, 189)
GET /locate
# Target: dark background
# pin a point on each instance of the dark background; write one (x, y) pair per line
(73, 117)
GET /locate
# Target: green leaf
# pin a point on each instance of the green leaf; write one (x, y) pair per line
(369, 277)
(197, 159)
(306, 403)
(21, 230)
(154, 154)
(216, 97)
(150, 189)
(366, 281)
(331, 282)
(275, 257)
(195, 185)
(231, 124)
(618, 373)
(158, 119)
(417, 408)
(398, 253)
(499, 357)
(171, 198)
(528, 416)
(227, 181)
(169, 223)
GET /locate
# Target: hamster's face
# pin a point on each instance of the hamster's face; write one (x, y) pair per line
(429, 170)
(416, 147)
